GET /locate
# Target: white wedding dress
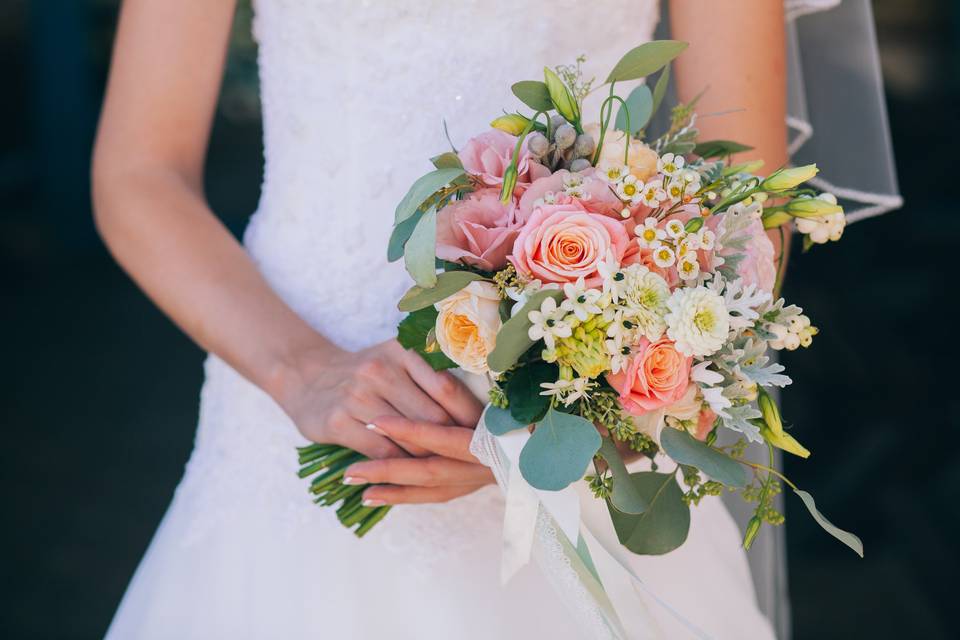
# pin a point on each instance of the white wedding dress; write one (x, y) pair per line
(354, 93)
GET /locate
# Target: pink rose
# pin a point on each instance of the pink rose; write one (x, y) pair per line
(705, 420)
(563, 242)
(478, 230)
(599, 197)
(657, 376)
(488, 155)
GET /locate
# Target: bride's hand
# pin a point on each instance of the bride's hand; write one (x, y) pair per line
(335, 394)
(450, 471)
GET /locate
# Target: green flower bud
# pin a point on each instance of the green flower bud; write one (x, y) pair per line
(811, 207)
(509, 183)
(512, 123)
(561, 97)
(776, 219)
(693, 225)
(785, 442)
(770, 411)
(788, 178)
(753, 528)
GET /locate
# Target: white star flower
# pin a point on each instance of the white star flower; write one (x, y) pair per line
(619, 355)
(707, 239)
(612, 172)
(698, 321)
(548, 323)
(653, 194)
(573, 186)
(581, 301)
(675, 229)
(688, 267)
(614, 280)
(630, 189)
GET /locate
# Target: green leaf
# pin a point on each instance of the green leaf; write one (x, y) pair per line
(523, 390)
(448, 283)
(513, 339)
(646, 59)
(664, 525)
(423, 188)
(640, 107)
(412, 333)
(559, 451)
(401, 233)
(534, 94)
(420, 252)
(499, 421)
(660, 89)
(845, 537)
(447, 160)
(625, 497)
(717, 148)
(685, 449)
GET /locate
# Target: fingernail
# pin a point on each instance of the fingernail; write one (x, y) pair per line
(369, 502)
(376, 429)
(354, 480)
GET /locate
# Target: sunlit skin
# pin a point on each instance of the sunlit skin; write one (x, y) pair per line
(153, 215)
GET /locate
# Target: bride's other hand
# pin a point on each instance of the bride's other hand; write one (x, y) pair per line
(332, 395)
(449, 472)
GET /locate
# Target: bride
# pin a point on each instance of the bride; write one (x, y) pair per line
(299, 320)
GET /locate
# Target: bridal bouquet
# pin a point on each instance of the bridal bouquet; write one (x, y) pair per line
(619, 290)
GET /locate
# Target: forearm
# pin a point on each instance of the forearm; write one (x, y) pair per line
(737, 58)
(160, 230)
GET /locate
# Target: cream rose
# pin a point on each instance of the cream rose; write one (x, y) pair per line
(467, 325)
(641, 160)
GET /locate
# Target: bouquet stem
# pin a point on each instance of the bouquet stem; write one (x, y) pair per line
(327, 462)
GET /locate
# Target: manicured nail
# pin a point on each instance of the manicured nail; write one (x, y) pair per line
(369, 502)
(376, 429)
(354, 480)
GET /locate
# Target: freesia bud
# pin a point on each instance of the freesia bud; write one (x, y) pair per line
(789, 178)
(786, 442)
(561, 97)
(512, 123)
(776, 219)
(770, 411)
(811, 207)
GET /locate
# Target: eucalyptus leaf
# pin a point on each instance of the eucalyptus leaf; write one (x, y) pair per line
(685, 449)
(845, 537)
(660, 89)
(401, 233)
(499, 421)
(646, 59)
(523, 390)
(640, 108)
(717, 148)
(664, 525)
(423, 188)
(513, 340)
(534, 94)
(419, 254)
(559, 451)
(625, 496)
(448, 160)
(447, 284)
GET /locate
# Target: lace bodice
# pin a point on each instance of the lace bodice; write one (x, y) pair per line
(354, 97)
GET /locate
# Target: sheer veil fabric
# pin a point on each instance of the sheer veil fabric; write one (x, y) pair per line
(353, 93)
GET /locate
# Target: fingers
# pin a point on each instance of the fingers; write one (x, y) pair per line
(353, 434)
(411, 401)
(451, 394)
(373, 407)
(384, 494)
(434, 471)
(447, 441)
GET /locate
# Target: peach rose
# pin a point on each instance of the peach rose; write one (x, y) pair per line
(641, 160)
(599, 198)
(467, 325)
(489, 154)
(478, 231)
(563, 242)
(657, 376)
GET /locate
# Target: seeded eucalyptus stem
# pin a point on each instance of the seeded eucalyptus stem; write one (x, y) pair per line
(327, 464)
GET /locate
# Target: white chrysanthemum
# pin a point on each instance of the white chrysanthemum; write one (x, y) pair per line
(698, 321)
(646, 296)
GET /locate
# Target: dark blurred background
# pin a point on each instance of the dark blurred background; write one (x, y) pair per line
(100, 391)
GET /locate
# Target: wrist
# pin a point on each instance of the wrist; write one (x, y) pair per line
(291, 369)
